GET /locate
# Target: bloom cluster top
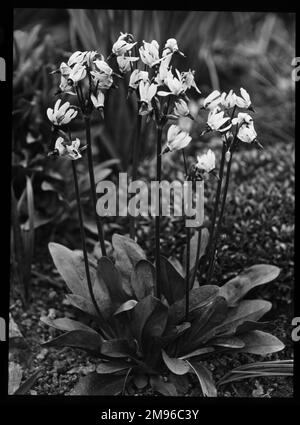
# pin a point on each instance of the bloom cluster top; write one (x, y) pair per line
(160, 90)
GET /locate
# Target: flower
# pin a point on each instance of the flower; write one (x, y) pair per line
(121, 46)
(246, 132)
(175, 84)
(77, 74)
(229, 100)
(149, 53)
(65, 85)
(171, 46)
(244, 100)
(64, 69)
(136, 76)
(61, 115)
(124, 62)
(147, 92)
(67, 150)
(163, 72)
(189, 80)
(212, 100)
(181, 108)
(206, 162)
(102, 74)
(216, 120)
(176, 139)
(76, 58)
(98, 101)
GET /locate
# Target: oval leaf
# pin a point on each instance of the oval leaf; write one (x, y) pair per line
(262, 343)
(172, 283)
(205, 379)
(86, 340)
(65, 324)
(251, 277)
(143, 279)
(127, 306)
(177, 366)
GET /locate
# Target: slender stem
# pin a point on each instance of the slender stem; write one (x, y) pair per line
(218, 228)
(157, 218)
(188, 250)
(197, 258)
(216, 207)
(92, 182)
(136, 155)
(85, 255)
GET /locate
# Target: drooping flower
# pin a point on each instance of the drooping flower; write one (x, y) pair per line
(137, 76)
(67, 149)
(98, 100)
(189, 80)
(76, 58)
(216, 120)
(65, 85)
(212, 100)
(122, 45)
(175, 84)
(77, 74)
(176, 139)
(206, 162)
(102, 74)
(149, 53)
(125, 62)
(147, 92)
(228, 100)
(171, 46)
(163, 72)
(246, 132)
(61, 115)
(181, 108)
(244, 100)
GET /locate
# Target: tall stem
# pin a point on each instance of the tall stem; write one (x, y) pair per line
(218, 228)
(216, 207)
(188, 250)
(92, 182)
(157, 218)
(136, 155)
(85, 255)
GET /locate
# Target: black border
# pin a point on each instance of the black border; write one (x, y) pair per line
(39, 409)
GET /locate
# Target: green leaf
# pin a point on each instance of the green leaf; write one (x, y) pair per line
(108, 287)
(247, 310)
(70, 265)
(177, 264)
(65, 324)
(127, 306)
(227, 342)
(204, 326)
(82, 303)
(164, 388)
(199, 298)
(251, 277)
(197, 353)
(112, 367)
(252, 326)
(205, 379)
(141, 313)
(177, 366)
(262, 343)
(118, 348)
(15, 373)
(86, 340)
(143, 279)
(29, 383)
(98, 384)
(127, 254)
(172, 283)
(259, 369)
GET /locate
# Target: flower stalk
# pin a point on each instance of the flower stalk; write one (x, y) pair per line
(188, 250)
(157, 218)
(136, 155)
(84, 248)
(87, 122)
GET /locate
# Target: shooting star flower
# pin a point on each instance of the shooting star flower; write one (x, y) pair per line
(61, 115)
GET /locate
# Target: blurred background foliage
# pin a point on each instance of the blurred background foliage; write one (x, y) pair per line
(227, 50)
